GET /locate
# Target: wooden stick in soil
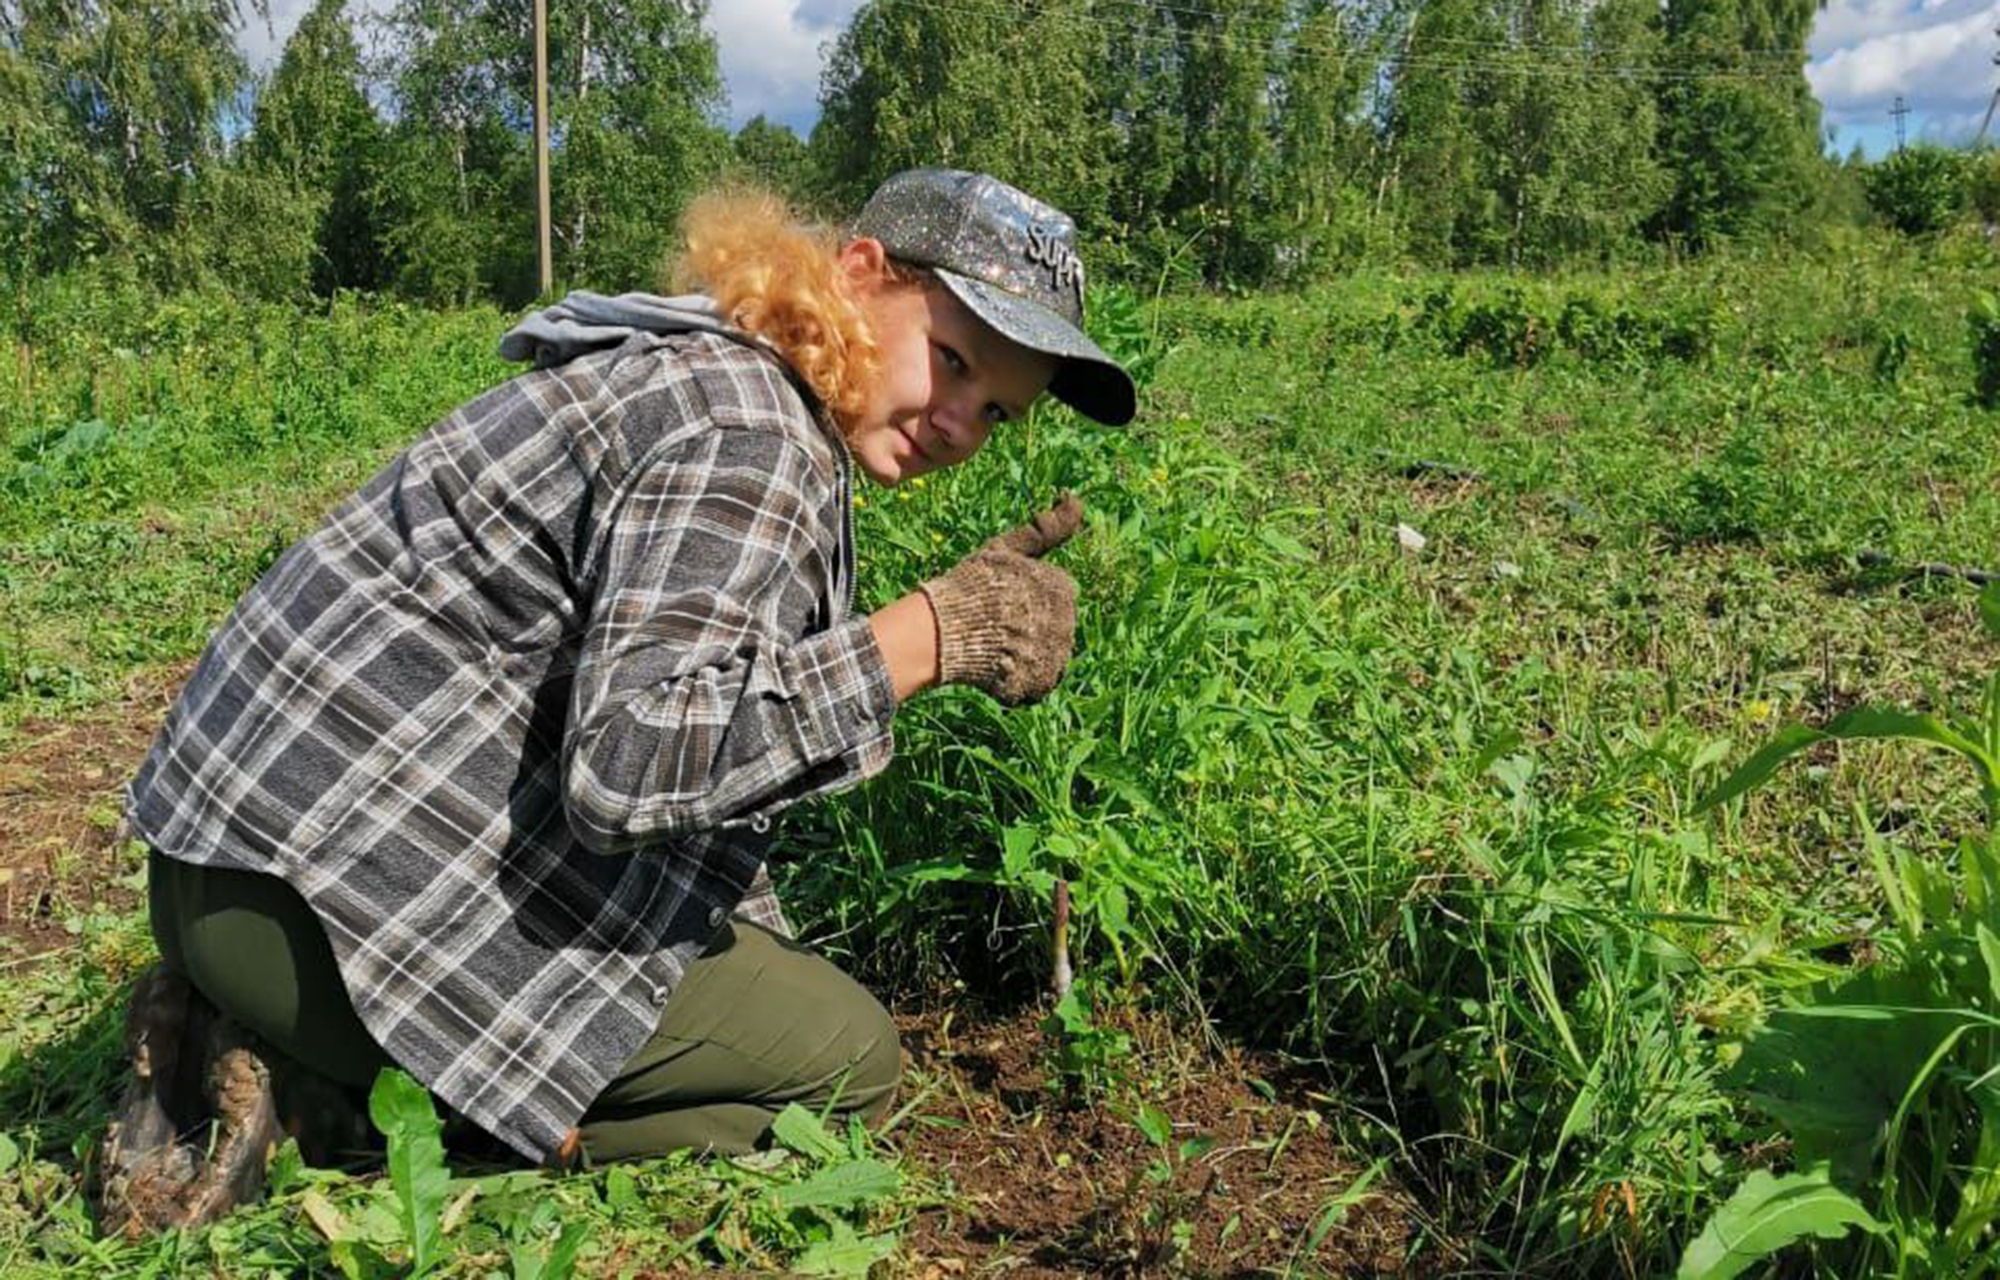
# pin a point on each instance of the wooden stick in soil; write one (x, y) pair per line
(1059, 971)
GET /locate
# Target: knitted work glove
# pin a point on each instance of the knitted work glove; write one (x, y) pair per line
(1006, 620)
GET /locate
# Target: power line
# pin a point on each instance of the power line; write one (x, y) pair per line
(1900, 110)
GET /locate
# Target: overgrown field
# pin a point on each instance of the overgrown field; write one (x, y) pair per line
(1417, 614)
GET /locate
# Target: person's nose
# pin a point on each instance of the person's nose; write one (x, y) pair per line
(954, 422)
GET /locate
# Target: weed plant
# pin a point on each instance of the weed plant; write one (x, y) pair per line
(1883, 1082)
(1984, 321)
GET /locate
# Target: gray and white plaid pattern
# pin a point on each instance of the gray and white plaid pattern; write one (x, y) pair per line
(515, 718)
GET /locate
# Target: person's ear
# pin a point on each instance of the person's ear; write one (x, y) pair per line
(864, 261)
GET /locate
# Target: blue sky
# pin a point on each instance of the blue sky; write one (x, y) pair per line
(1937, 53)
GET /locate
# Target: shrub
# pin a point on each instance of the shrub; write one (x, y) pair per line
(1919, 190)
(1738, 495)
(1982, 184)
(1893, 343)
(1985, 322)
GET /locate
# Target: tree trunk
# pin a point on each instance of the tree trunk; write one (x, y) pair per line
(582, 88)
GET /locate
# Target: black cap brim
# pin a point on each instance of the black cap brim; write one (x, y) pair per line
(1086, 380)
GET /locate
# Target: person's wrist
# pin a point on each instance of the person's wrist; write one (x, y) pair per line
(906, 633)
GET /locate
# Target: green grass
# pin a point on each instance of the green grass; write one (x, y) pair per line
(154, 468)
(1422, 818)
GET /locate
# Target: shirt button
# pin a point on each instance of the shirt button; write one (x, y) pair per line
(760, 824)
(716, 915)
(660, 995)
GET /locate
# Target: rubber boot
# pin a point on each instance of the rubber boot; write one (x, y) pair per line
(141, 1163)
(198, 1123)
(241, 1098)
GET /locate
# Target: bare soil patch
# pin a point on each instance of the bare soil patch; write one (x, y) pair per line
(60, 810)
(1045, 1188)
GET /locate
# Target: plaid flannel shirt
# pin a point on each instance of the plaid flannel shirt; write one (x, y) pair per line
(515, 718)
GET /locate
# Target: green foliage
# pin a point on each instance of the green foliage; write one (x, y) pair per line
(1741, 494)
(1514, 330)
(1982, 184)
(841, 1176)
(401, 1110)
(1739, 128)
(129, 100)
(633, 90)
(554, 1261)
(1163, 1212)
(1323, 226)
(1919, 190)
(774, 157)
(1089, 1057)
(1765, 1215)
(1893, 345)
(316, 133)
(1984, 322)
(1273, 142)
(910, 83)
(1883, 1081)
(1497, 159)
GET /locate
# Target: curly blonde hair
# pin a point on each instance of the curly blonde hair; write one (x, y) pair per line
(775, 274)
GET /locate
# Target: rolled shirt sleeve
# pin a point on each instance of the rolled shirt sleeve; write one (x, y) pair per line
(701, 700)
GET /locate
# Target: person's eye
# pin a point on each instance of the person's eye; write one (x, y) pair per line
(995, 415)
(953, 361)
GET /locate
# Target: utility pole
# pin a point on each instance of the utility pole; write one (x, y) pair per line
(1900, 110)
(545, 257)
(1991, 103)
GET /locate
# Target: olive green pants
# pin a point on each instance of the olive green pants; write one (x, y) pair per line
(757, 1021)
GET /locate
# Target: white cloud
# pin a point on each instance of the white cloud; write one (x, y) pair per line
(1946, 63)
(1846, 23)
(1935, 54)
(263, 43)
(772, 52)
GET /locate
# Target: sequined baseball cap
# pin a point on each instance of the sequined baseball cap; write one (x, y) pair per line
(1012, 260)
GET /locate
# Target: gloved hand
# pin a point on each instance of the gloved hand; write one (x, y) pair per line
(1006, 620)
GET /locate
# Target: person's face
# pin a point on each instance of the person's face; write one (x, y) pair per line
(947, 377)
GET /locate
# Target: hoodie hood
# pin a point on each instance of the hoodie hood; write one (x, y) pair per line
(585, 321)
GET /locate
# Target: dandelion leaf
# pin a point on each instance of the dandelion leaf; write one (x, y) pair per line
(1833, 1072)
(801, 1131)
(846, 1254)
(401, 1108)
(1766, 1214)
(851, 1183)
